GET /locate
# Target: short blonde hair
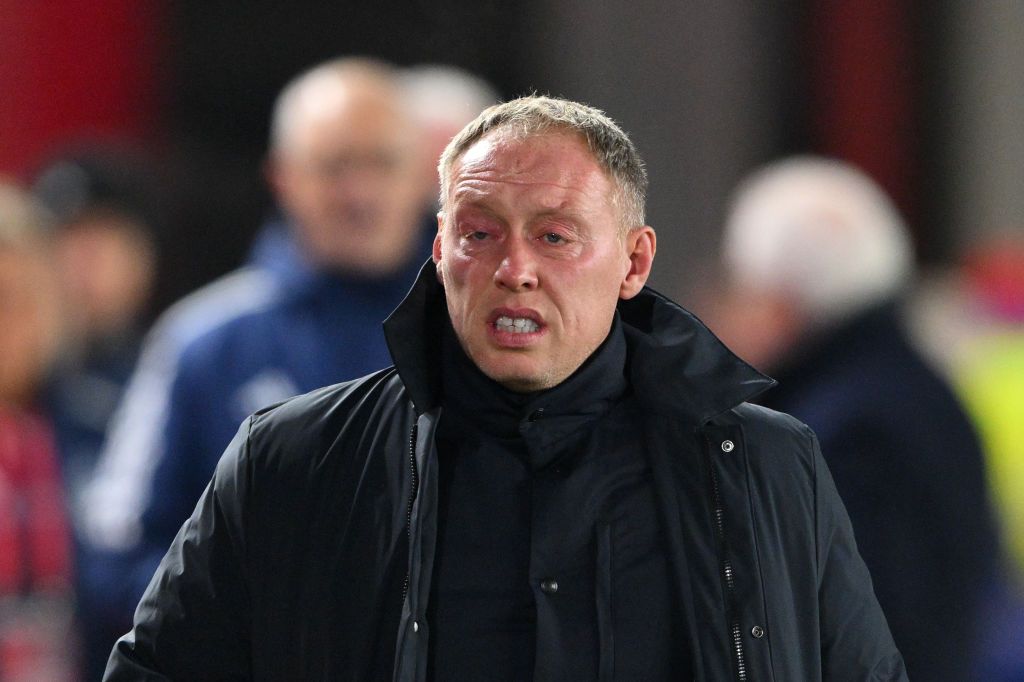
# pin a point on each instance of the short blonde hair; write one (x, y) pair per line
(537, 115)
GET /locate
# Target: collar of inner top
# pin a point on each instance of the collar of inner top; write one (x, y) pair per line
(541, 417)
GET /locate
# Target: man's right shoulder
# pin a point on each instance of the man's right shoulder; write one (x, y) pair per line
(359, 410)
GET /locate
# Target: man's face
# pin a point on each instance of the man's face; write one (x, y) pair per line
(29, 321)
(347, 174)
(106, 267)
(532, 258)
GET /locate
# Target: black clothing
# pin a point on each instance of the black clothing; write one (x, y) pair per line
(481, 615)
(311, 553)
(907, 462)
(548, 532)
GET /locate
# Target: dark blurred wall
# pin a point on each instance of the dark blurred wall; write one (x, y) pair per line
(980, 120)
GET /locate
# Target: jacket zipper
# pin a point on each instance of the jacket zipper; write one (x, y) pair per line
(408, 509)
(735, 632)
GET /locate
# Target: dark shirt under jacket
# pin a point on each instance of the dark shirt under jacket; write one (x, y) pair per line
(550, 562)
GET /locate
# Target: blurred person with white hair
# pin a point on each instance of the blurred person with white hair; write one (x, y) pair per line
(818, 260)
(343, 164)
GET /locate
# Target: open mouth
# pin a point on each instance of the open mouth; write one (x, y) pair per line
(516, 325)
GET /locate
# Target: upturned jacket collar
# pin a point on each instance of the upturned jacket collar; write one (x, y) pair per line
(676, 364)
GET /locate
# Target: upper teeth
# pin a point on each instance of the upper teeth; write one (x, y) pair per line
(516, 325)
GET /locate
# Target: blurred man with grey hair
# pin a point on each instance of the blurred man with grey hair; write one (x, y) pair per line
(559, 479)
(818, 259)
(344, 166)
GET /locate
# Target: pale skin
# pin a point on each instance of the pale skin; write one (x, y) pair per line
(347, 173)
(533, 255)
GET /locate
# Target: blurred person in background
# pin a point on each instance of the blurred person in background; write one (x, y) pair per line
(818, 259)
(105, 255)
(37, 639)
(103, 203)
(344, 164)
(990, 376)
(972, 318)
(443, 99)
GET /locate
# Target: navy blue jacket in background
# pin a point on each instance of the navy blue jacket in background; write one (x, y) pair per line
(909, 468)
(267, 331)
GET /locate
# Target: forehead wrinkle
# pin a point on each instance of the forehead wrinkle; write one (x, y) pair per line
(477, 196)
(477, 185)
(493, 165)
(579, 183)
(502, 154)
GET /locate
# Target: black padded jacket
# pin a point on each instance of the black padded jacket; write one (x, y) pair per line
(309, 555)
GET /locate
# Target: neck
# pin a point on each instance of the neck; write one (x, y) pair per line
(594, 386)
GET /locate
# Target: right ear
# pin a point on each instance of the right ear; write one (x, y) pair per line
(436, 251)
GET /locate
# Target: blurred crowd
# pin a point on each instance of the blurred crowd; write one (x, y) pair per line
(111, 426)
(109, 431)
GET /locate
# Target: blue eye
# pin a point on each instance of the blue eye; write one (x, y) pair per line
(478, 235)
(553, 238)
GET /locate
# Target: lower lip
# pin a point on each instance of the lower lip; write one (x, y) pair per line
(514, 339)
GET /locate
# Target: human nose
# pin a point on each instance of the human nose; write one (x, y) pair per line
(359, 185)
(517, 270)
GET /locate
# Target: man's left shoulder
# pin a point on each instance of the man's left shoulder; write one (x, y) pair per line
(769, 437)
(762, 420)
